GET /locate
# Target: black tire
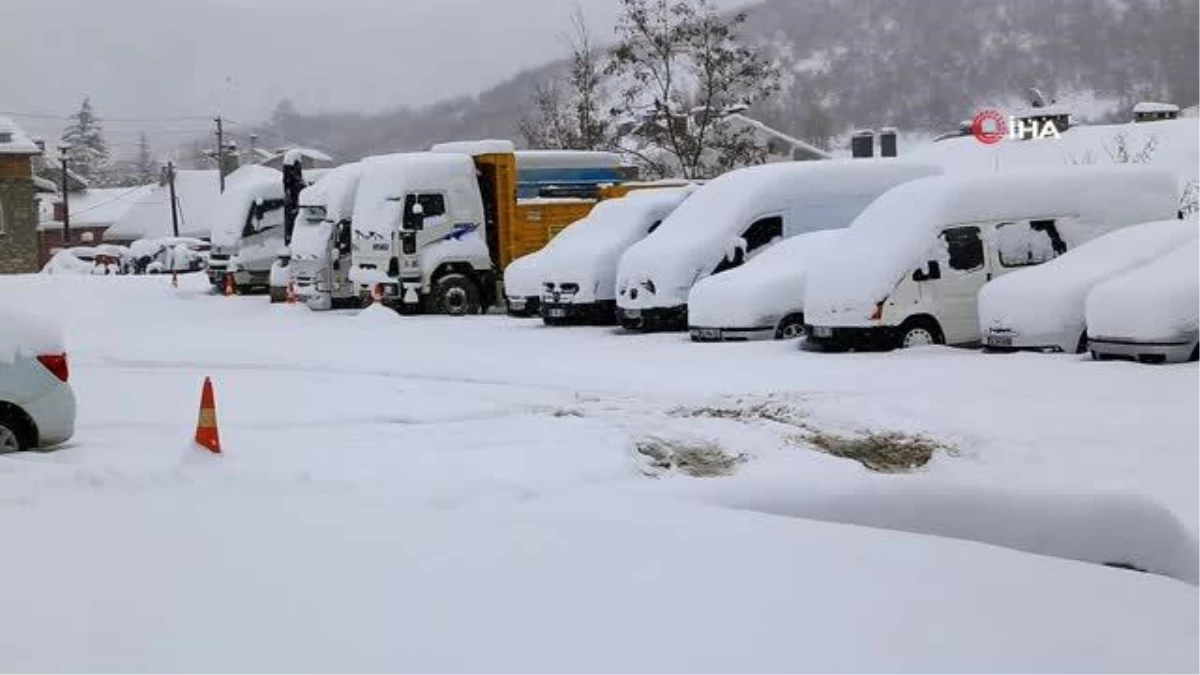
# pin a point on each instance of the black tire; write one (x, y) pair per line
(1195, 356)
(920, 331)
(790, 327)
(456, 295)
(277, 294)
(14, 432)
(1082, 346)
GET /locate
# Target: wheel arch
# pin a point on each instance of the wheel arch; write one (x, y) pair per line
(25, 425)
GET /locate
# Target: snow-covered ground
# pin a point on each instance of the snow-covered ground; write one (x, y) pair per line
(433, 493)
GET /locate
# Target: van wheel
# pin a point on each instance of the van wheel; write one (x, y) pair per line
(790, 327)
(456, 295)
(920, 332)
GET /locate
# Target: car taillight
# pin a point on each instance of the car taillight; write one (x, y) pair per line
(57, 364)
(878, 313)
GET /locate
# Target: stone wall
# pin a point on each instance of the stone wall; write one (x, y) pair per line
(19, 239)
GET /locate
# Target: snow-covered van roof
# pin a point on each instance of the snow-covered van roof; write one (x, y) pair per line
(1156, 302)
(567, 159)
(890, 237)
(196, 192)
(1047, 297)
(243, 187)
(387, 177)
(474, 148)
(14, 141)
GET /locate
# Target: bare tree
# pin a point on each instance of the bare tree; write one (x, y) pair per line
(682, 71)
(568, 111)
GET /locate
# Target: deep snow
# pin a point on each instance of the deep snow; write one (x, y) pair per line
(431, 493)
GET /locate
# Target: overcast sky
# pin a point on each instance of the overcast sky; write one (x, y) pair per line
(195, 58)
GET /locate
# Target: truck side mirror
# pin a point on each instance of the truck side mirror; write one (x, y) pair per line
(933, 271)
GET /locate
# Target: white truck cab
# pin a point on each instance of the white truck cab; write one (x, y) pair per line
(321, 244)
(247, 230)
(419, 234)
(909, 269)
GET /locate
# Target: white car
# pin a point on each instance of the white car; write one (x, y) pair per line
(523, 284)
(1152, 313)
(37, 405)
(1042, 307)
(762, 299)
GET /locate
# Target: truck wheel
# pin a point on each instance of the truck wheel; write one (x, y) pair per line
(790, 327)
(277, 294)
(920, 332)
(456, 295)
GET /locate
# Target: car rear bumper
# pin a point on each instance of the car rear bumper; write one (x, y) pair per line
(1174, 351)
(731, 334)
(839, 338)
(653, 319)
(53, 415)
(1010, 340)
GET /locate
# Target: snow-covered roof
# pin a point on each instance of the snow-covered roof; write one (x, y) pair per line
(196, 192)
(474, 148)
(1052, 110)
(896, 230)
(1158, 301)
(14, 141)
(1050, 296)
(567, 159)
(242, 188)
(97, 207)
(1155, 107)
(335, 191)
(1176, 146)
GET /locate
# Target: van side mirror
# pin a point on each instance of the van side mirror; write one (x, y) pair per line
(933, 271)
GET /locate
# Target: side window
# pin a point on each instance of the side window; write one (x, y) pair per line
(964, 248)
(432, 204)
(762, 232)
(1028, 242)
(653, 226)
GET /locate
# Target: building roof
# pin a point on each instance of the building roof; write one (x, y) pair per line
(97, 207)
(1155, 107)
(150, 215)
(14, 141)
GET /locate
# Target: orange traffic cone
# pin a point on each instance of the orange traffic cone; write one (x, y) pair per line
(377, 293)
(228, 284)
(206, 426)
(291, 293)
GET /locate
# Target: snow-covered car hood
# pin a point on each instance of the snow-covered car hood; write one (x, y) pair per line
(523, 276)
(1050, 297)
(764, 289)
(1157, 301)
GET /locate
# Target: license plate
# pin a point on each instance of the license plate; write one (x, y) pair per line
(822, 331)
(633, 313)
(558, 312)
(517, 304)
(1000, 340)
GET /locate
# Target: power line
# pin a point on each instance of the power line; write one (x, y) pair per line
(100, 118)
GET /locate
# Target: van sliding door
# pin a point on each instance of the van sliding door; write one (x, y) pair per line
(962, 252)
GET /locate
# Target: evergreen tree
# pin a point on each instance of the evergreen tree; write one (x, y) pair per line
(88, 153)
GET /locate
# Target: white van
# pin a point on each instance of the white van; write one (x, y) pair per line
(578, 268)
(1041, 307)
(1151, 313)
(909, 269)
(247, 230)
(737, 216)
(762, 299)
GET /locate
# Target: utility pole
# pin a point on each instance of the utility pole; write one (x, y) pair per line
(62, 155)
(174, 203)
(220, 152)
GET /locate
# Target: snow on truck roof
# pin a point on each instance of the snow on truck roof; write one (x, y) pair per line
(897, 229)
(196, 193)
(386, 177)
(473, 148)
(242, 188)
(335, 190)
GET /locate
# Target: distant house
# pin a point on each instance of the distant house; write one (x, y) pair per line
(1153, 111)
(18, 211)
(149, 214)
(92, 212)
